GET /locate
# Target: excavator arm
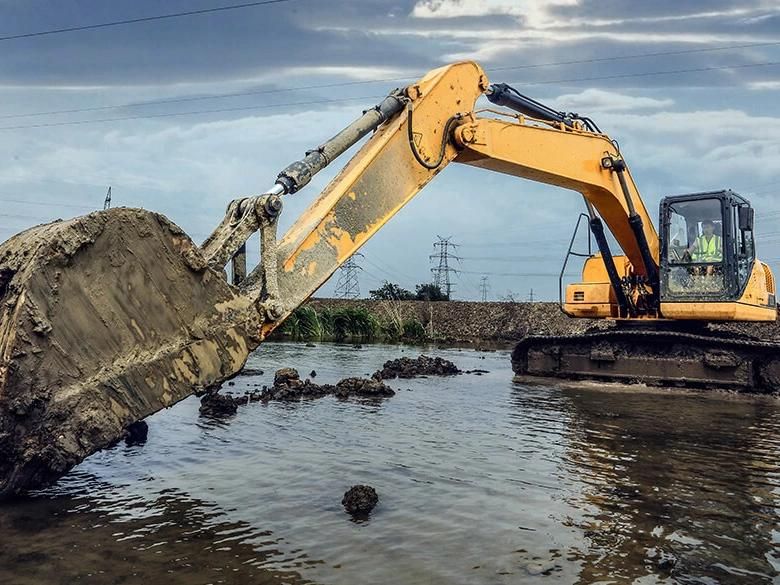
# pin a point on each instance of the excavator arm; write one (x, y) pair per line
(431, 124)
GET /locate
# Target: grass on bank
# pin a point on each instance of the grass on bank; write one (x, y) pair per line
(350, 324)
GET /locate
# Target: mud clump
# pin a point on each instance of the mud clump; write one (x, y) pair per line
(363, 387)
(359, 500)
(137, 433)
(288, 386)
(287, 377)
(215, 405)
(411, 367)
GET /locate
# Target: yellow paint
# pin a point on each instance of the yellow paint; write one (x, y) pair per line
(718, 311)
(568, 159)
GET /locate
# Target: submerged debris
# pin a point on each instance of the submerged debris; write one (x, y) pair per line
(217, 405)
(359, 500)
(136, 433)
(288, 386)
(422, 366)
(363, 387)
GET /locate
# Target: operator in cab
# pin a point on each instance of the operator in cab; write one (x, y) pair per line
(708, 247)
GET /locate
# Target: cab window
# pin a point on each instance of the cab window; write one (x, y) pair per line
(695, 248)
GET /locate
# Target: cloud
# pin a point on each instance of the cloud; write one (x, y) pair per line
(764, 85)
(700, 149)
(597, 100)
(534, 13)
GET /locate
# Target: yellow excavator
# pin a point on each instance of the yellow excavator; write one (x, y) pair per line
(109, 317)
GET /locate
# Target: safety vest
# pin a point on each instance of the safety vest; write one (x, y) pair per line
(708, 250)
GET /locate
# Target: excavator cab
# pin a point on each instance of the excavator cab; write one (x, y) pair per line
(708, 258)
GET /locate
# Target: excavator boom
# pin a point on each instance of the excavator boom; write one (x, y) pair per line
(107, 318)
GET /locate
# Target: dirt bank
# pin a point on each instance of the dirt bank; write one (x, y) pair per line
(502, 323)
(469, 322)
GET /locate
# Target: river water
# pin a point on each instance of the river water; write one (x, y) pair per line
(481, 481)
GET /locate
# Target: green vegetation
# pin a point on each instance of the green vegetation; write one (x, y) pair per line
(349, 324)
(430, 292)
(390, 291)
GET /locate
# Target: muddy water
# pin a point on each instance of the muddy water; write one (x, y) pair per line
(480, 481)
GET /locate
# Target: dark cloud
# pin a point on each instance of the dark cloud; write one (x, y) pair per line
(219, 46)
(262, 41)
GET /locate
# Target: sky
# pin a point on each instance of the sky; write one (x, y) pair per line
(689, 89)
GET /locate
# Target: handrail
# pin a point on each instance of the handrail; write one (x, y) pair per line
(569, 252)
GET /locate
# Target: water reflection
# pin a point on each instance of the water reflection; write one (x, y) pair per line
(101, 533)
(682, 488)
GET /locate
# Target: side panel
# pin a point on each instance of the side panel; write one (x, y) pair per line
(593, 297)
(718, 311)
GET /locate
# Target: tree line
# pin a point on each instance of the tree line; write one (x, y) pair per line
(391, 291)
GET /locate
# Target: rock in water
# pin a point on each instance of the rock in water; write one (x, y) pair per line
(137, 433)
(288, 376)
(422, 366)
(288, 386)
(363, 387)
(218, 405)
(359, 500)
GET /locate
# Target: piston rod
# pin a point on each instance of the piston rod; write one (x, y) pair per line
(298, 174)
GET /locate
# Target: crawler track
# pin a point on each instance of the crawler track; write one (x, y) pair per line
(704, 359)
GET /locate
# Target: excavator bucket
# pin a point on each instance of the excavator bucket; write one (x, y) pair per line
(105, 319)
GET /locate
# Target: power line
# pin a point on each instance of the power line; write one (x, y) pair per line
(323, 101)
(172, 114)
(389, 271)
(197, 98)
(443, 271)
(84, 27)
(348, 285)
(484, 287)
(379, 80)
(643, 55)
(525, 274)
(650, 73)
(47, 203)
